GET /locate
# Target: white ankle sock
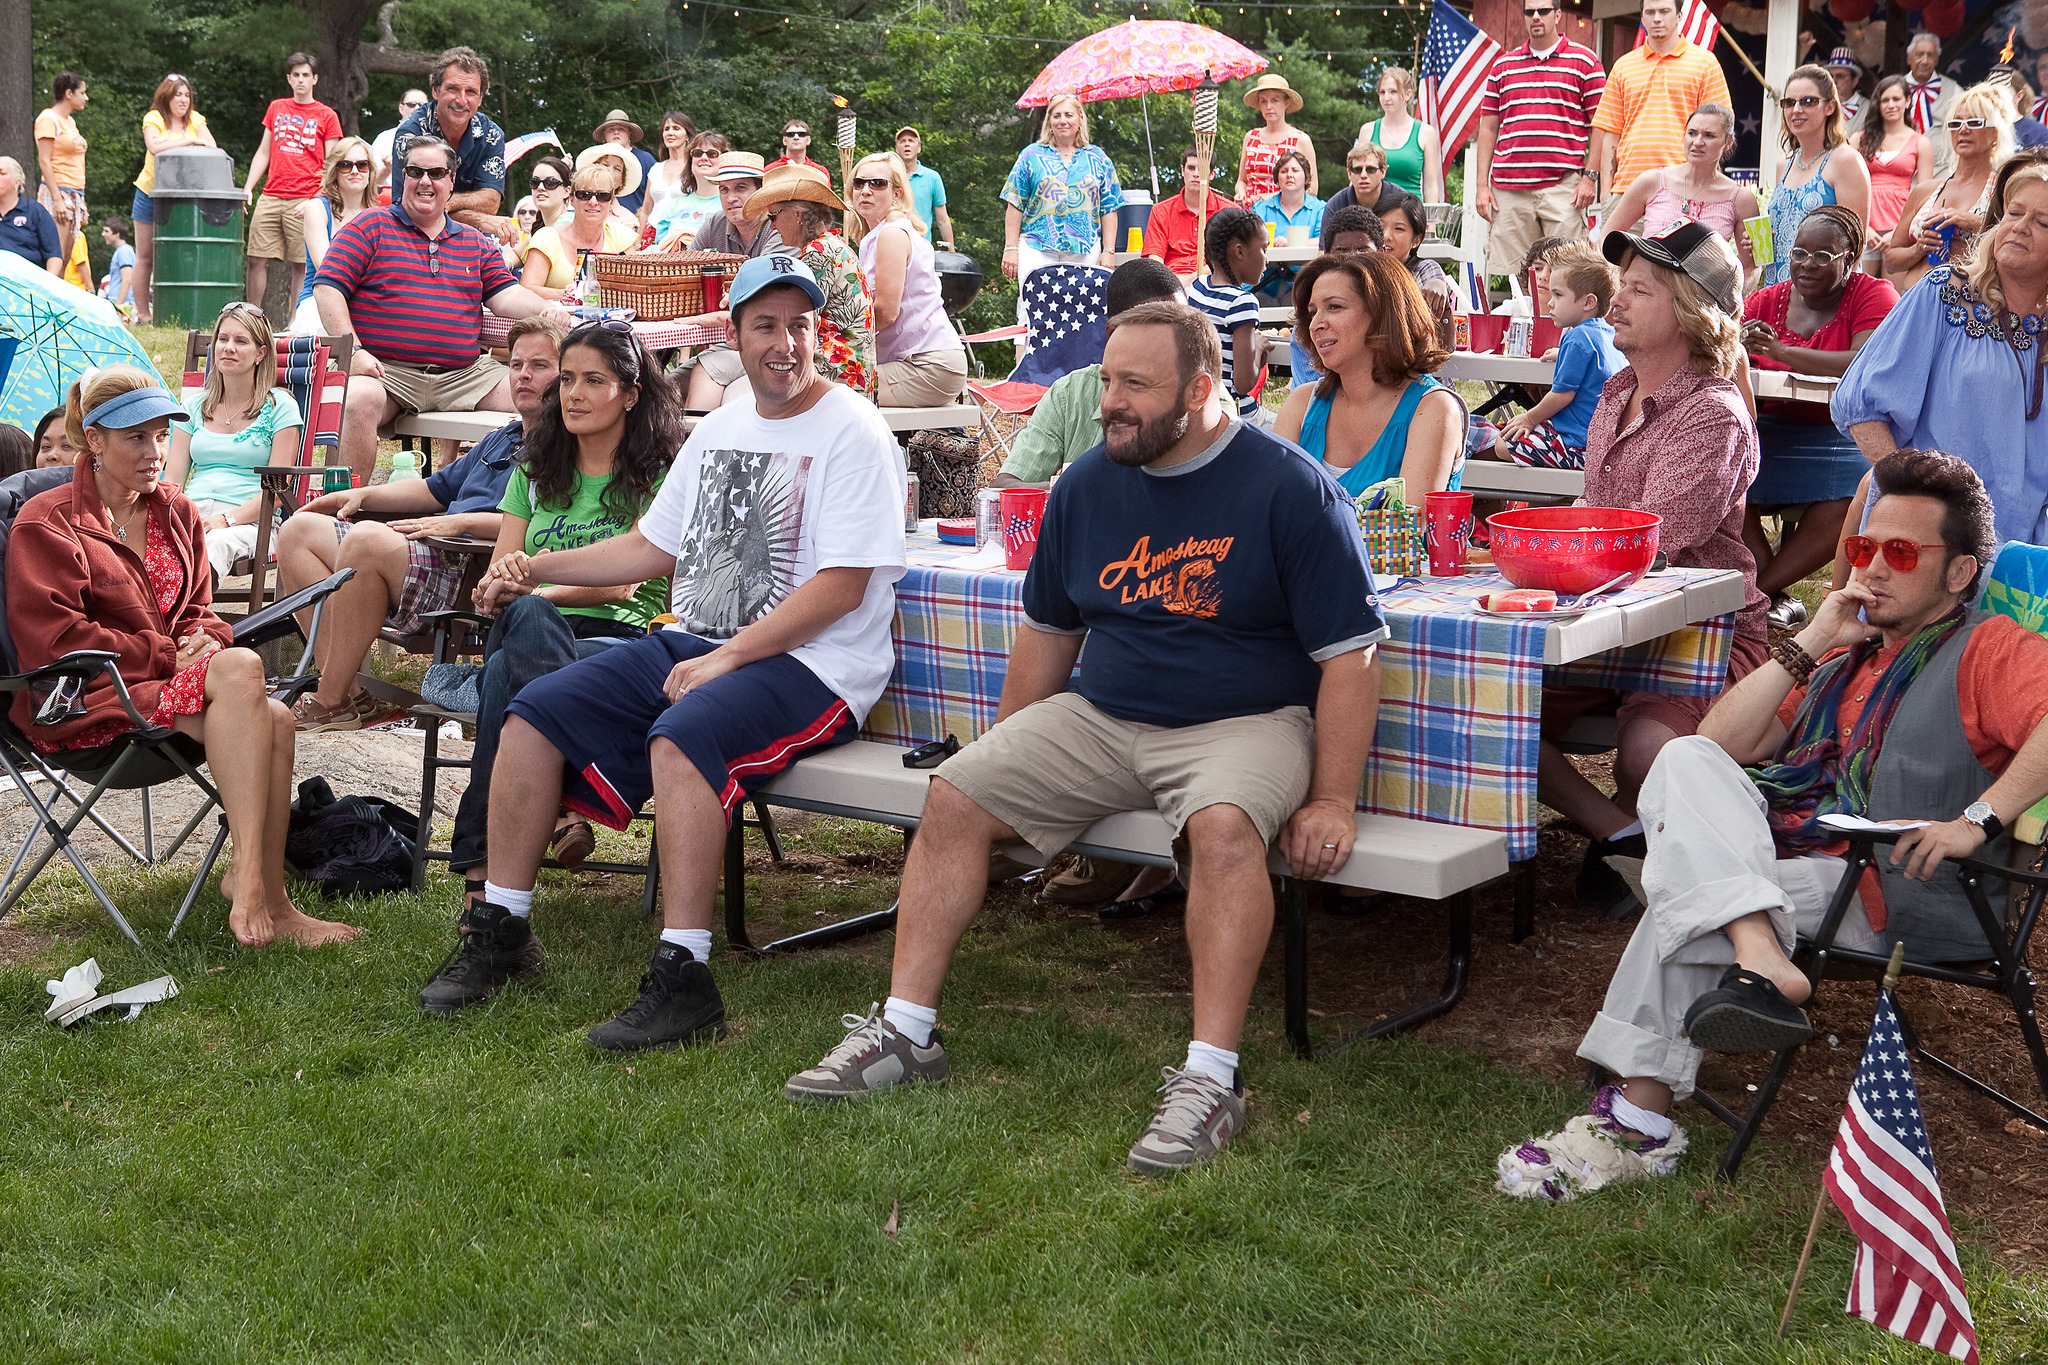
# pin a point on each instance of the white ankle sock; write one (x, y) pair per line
(912, 1021)
(1213, 1062)
(1638, 1120)
(520, 903)
(698, 941)
(1632, 827)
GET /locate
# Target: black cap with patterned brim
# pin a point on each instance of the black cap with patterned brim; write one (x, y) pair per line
(1693, 250)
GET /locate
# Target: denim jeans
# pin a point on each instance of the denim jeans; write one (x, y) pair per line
(529, 639)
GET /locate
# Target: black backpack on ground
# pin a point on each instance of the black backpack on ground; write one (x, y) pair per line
(351, 846)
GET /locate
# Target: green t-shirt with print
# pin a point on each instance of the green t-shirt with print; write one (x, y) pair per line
(583, 522)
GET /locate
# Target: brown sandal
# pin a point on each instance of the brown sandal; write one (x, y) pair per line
(310, 717)
(573, 843)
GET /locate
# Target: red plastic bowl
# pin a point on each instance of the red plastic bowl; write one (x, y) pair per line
(1572, 549)
(1489, 333)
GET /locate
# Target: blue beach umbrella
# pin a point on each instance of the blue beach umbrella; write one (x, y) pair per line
(56, 332)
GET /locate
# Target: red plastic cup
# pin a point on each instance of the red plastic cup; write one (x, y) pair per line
(1021, 510)
(1447, 521)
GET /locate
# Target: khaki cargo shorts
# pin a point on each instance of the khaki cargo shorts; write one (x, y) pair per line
(277, 231)
(1057, 767)
(417, 389)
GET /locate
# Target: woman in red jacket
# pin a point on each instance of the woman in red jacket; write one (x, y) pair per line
(116, 561)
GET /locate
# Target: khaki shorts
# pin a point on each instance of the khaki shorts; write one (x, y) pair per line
(721, 362)
(935, 379)
(1057, 767)
(416, 389)
(1525, 215)
(277, 232)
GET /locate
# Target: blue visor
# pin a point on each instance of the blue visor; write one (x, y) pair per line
(133, 408)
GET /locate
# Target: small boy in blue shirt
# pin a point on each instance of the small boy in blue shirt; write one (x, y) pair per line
(1552, 435)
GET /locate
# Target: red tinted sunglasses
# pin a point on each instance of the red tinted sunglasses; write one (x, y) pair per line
(1903, 555)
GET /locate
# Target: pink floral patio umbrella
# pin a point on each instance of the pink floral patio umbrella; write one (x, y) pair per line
(1142, 57)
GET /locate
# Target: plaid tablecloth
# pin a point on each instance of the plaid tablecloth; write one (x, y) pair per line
(1460, 701)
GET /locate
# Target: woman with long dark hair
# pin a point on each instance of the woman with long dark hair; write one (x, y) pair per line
(599, 447)
(1900, 158)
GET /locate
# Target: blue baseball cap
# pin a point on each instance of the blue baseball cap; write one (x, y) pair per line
(133, 408)
(765, 272)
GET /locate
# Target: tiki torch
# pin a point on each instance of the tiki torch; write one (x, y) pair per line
(1205, 148)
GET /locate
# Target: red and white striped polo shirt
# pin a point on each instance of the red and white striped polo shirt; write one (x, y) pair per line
(1545, 106)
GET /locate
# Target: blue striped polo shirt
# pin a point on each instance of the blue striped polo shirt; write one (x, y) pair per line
(412, 300)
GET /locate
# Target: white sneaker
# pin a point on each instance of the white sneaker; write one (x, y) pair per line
(1586, 1154)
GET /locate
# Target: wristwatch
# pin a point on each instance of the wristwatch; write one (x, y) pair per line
(1980, 814)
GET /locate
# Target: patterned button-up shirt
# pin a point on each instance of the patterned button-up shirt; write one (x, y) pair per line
(479, 157)
(1689, 456)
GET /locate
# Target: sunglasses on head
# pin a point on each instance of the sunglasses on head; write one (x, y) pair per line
(1957, 125)
(1791, 102)
(546, 182)
(864, 182)
(434, 173)
(600, 196)
(1903, 555)
(352, 165)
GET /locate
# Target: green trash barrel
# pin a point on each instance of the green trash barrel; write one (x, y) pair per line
(198, 236)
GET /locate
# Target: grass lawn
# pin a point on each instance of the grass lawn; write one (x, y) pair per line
(290, 1162)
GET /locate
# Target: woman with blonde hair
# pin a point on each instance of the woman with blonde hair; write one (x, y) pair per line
(1958, 365)
(1810, 174)
(1061, 199)
(554, 253)
(1415, 159)
(1377, 411)
(171, 122)
(347, 187)
(1941, 220)
(115, 560)
(920, 361)
(239, 422)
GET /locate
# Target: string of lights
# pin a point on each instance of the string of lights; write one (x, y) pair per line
(889, 27)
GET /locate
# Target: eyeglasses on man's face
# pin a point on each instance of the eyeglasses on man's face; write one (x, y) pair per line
(1539, 13)
(1900, 553)
(434, 173)
(796, 135)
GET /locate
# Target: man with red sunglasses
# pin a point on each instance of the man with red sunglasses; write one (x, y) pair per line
(1897, 703)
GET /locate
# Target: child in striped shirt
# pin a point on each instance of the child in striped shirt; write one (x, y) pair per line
(1234, 247)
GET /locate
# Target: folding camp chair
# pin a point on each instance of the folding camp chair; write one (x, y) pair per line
(1011, 398)
(145, 757)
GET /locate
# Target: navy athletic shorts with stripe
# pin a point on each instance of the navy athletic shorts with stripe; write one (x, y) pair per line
(740, 729)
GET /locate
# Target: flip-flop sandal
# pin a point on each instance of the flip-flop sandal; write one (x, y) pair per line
(1746, 1013)
(572, 844)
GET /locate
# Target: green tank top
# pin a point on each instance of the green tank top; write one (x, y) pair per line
(1404, 163)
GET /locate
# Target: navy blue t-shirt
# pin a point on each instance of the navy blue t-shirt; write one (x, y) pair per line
(30, 232)
(1208, 590)
(476, 482)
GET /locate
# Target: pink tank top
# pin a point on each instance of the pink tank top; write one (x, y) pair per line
(1891, 181)
(1666, 208)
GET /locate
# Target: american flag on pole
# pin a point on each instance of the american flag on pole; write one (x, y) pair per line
(1906, 1278)
(1696, 25)
(1455, 61)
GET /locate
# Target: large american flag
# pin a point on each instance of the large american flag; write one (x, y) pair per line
(1906, 1278)
(1455, 61)
(1696, 25)
(1066, 308)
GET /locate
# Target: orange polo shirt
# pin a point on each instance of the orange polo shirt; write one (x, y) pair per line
(1647, 102)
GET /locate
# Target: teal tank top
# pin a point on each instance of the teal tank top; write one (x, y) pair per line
(1383, 461)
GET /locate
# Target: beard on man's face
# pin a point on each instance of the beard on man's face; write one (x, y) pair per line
(1132, 441)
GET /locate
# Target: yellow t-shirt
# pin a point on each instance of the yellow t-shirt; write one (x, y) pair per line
(562, 257)
(194, 122)
(67, 149)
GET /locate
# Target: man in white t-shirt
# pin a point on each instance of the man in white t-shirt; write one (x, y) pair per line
(380, 145)
(781, 524)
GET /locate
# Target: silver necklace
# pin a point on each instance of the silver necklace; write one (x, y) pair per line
(121, 528)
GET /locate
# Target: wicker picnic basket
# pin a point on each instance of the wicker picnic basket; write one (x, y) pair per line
(659, 286)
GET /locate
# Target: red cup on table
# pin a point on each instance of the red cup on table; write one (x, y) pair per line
(1021, 511)
(1447, 522)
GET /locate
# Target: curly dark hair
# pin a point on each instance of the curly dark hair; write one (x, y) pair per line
(1966, 523)
(654, 428)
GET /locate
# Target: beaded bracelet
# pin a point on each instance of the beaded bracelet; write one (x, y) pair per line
(1793, 660)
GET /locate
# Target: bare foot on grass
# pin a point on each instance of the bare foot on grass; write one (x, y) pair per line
(303, 929)
(251, 920)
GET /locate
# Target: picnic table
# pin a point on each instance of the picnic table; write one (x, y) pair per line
(1507, 369)
(659, 336)
(1461, 691)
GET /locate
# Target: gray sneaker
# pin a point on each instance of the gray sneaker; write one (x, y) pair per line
(1195, 1120)
(872, 1056)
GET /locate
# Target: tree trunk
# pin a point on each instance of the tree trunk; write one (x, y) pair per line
(345, 59)
(17, 89)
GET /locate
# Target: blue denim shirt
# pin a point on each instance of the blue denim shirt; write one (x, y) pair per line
(476, 482)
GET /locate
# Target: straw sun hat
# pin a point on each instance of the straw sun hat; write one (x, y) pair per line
(785, 183)
(1269, 81)
(617, 119)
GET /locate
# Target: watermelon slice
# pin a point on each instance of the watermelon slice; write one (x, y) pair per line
(1521, 599)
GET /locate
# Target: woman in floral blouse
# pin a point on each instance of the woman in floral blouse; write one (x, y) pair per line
(800, 205)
